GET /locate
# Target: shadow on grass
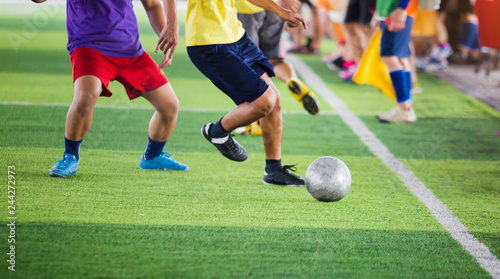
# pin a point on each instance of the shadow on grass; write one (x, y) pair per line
(103, 250)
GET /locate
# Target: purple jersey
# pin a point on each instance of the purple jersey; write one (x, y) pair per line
(108, 26)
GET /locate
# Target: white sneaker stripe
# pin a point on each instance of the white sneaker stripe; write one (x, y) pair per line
(220, 140)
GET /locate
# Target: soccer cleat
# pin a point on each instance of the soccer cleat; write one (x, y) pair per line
(284, 177)
(165, 161)
(303, 95)
(227, 145)
(65, 167)
(397, 115)
(251, 130)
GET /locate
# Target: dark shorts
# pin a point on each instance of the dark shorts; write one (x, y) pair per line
(360, 11)
(138, 74)
(264, 29)
(234, 68)
(396, 43)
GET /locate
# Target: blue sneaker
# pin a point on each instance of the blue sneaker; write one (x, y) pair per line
(66, 167)
(163, 162)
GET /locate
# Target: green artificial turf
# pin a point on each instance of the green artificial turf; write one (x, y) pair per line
(361, 232)
(453, 147)
(218, 220)
(126, 251)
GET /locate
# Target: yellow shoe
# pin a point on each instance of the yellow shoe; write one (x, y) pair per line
(303, 95)
(251, 130)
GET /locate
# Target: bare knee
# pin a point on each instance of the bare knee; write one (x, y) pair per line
(277, 106)
(84, 101)
(87, 91)
(392, 62)
(169, 109)
(265, 103)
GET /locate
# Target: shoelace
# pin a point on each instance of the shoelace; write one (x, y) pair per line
(289, 169)
(232, 143)
(64, 159)
(167, 155)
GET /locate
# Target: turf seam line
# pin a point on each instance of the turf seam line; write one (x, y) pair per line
(145, 108)
(487, 260)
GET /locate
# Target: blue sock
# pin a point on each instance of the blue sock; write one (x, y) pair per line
(399, 83)
(72, 147)
(217, 131)
(154, 149)
(468, 35)
(408, 80)
(273, 165)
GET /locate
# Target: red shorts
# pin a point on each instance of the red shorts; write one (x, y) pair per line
(138, 75)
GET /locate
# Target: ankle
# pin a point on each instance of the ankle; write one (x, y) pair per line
(217, 131)
(273, 165)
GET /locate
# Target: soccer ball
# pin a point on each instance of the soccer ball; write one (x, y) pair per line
(328, 179)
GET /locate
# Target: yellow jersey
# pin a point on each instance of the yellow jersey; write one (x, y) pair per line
(210, 22)
(245, 7)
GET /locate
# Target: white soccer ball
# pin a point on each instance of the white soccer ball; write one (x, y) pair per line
(328, 179)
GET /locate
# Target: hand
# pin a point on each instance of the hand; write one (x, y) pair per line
(293, 19)
(169, 37)
(292, 5)
(397, 20)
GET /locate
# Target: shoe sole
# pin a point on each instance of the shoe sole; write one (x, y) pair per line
(308, 102)
(283, 185)
(163, 169)
(385, 121)
(53, 174)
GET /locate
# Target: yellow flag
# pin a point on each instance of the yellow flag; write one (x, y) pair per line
(372, 70)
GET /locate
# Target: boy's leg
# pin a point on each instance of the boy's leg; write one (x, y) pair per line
(299, 90)
(400, 72)
(246, 113)
(272, 126)
(272, 131)
(283, 70)
(87, 89)
(79, 119)
(166, 104)
(161, 126)
(219, 133)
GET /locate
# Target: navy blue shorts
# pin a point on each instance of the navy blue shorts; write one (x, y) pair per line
(396, 43)
(234, 68)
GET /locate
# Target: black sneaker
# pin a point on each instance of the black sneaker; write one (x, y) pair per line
(227, 145)
(284, 177)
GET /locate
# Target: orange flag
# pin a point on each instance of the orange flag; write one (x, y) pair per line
(372, 70)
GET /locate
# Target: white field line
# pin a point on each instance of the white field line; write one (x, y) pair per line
(146, 108)
(441, 212)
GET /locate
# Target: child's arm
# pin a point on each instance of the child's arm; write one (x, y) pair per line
(168, 33)
(292, 18)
